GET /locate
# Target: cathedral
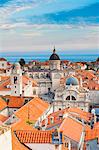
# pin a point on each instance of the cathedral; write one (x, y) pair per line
(63, 90)
(62, 87)
(71, 94)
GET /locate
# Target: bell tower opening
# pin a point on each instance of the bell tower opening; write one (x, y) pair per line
(15, 80)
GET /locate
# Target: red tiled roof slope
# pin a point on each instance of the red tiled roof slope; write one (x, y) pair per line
(34, 136)
(33, 109)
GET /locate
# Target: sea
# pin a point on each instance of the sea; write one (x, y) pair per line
(13, 58)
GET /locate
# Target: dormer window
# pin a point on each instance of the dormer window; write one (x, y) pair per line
(60, 116)
(8, 86)
(51, 120)
(26, 101)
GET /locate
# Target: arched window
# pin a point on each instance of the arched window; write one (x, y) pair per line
(47, 75)
(73, 98)
(36, 76)
(68, 98)
(41, 75)
(49, 89)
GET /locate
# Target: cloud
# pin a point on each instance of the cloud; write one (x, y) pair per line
(64, 29)
(9, 26)
(13, 6)
(33, 34)
(46, 27)
(40, 37)
(18, 9)
(81, 15)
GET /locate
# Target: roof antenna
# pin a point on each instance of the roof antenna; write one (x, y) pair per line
(28, 113)
(54, 50)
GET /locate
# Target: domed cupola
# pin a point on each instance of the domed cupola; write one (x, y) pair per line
(54, 56)
(54, 61)
(72, 81)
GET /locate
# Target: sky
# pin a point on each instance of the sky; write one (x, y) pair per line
(70, 25)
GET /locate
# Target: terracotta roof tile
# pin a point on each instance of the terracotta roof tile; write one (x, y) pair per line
(77, 112)
(96, 125)
(33, 109)
(3, 118)
(2, 104)
(46, 63)
(92, 85)
(20, 125)
(55, 124)
(25, 80)
(3, 78)
(34, 136)
(85, 73)
(92, 134)
(56, 118)
(34, 83)
(4, 84)
(72, 129)
(59, 116)
(15, 101)
(3, 59)
(6, 81)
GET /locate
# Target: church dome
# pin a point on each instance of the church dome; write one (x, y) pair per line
(54, 56)
(72, 81)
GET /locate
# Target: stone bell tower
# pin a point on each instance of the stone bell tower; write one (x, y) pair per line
(16, 80)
